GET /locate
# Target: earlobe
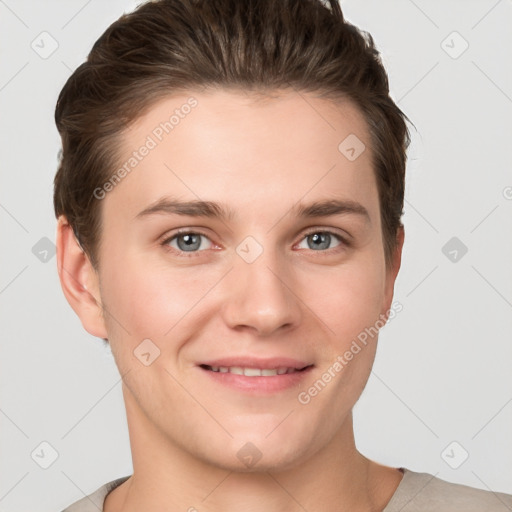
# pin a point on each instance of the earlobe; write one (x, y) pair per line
(79, 280)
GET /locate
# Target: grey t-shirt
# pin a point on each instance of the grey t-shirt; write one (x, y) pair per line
(417, 492)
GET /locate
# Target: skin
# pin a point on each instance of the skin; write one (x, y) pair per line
(259, 157)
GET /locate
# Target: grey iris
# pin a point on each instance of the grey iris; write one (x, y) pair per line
(191, 242)
(320, 240)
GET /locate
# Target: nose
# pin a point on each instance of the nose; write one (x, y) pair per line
(261, 296)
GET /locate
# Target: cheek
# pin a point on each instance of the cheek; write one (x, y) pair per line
(149, 298)
(348, 300)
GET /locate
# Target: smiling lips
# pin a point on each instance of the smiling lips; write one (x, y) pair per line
(255, 375)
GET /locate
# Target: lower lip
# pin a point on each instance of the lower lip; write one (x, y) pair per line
(261, 384)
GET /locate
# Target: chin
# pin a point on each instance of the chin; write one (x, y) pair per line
(273, 461)
(254, 452)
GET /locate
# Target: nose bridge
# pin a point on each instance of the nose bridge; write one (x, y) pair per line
(258, 292)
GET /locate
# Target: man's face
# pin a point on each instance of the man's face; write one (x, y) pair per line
(261, 288)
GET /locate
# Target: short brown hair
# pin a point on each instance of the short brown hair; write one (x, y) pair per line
(166, 46)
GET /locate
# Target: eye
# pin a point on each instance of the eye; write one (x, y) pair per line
(187, 241)
(192, 241)
(321, 240)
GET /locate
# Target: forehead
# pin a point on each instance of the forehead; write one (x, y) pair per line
(245, 149)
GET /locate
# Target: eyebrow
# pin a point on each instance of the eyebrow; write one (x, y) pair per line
(211, 209)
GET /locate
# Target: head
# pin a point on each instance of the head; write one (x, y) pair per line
(276, 115)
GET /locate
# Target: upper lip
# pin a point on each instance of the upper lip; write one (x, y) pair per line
(253, 362)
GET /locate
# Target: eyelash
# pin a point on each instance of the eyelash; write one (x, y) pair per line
(191, 254)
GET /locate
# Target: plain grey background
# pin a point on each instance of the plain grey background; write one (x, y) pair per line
(439, 399)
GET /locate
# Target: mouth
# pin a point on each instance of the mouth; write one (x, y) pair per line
(256, 376)
(255, 372)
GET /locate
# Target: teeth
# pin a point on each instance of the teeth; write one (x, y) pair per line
(252, 372)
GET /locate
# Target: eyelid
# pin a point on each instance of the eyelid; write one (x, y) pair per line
(345, 237)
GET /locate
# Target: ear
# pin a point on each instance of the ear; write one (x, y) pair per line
(79, 280)
(392, 271)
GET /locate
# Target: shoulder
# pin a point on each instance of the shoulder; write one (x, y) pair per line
(94, 502)
(423, 492)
